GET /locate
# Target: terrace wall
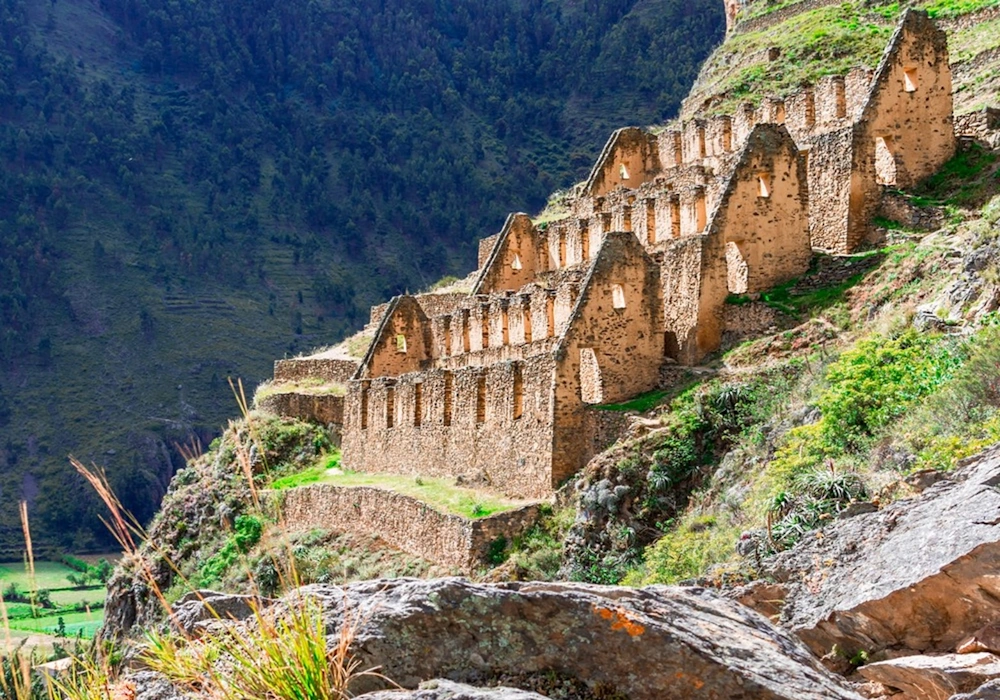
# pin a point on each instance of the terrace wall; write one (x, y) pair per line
(402, 521)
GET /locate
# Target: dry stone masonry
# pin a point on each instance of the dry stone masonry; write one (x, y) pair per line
(496, 387)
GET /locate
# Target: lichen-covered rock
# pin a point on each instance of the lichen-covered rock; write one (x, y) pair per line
(987, 691)
(934, 677)
(447, 690)
(918, 576)
(644, 644)
(197, 609)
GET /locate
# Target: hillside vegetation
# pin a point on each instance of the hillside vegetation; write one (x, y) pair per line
(831, 38)
(192, 190)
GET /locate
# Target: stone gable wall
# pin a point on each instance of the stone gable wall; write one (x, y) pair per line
(613, 349)
(629, 159)
(403, 522)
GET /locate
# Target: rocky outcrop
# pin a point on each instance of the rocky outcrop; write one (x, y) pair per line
(934, 677)
(642, 644)
(987, 691)
(917, 576)
(447, 690)
(199, 610)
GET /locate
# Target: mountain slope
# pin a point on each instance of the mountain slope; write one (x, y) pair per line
(193, 189)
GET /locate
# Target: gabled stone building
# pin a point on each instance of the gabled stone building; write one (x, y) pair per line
(496, 386)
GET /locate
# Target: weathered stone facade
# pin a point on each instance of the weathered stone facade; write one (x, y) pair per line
(403, 522)
(498, 386)
(861, 132)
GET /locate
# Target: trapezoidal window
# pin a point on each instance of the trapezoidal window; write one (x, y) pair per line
(764, 185)
(390, 407)
(518, 392)
(617, 296)
(449, 390)
(623, 172)
(591, 385)
(910, 79)
(885, 161)
(400, 343)
(481, 399)
(675, 216)
(418, 391)
(446, 349)
(810, 109)
(700, 215)
(839, 98)
(515, 264)
(364, 407)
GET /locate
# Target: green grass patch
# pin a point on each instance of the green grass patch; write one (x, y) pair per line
(966, 180)
(442, 494)
(687, 550)
(954, 8)
(314, 386)
(781, 297)
(82, 622)
(641, 403)
(972, 41)
(824, 41)
(48, 574)
(77, 596)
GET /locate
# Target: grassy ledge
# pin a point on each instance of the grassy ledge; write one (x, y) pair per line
(441, 494)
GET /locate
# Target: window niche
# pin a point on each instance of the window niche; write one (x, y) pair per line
(617, 296)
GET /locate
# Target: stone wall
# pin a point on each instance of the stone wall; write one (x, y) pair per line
(750, 320)
(759, 234)
(982, 126)
(402, 521)
(518, 254)
(680, 279)
(612, 350)
(300, 368)
(629, 159)
(325, 409)
(402, 341)
(492, 424)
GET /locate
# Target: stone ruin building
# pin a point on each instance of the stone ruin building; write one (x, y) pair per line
(497, 385)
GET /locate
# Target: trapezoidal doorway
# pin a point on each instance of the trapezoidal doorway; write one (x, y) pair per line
(591, 384)
(737, 269)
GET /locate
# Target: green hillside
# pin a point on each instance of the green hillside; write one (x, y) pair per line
(192, 190)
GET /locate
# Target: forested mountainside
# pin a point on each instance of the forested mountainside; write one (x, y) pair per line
(193, 189)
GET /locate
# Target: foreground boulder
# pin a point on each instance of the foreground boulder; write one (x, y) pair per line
(917, 576)
(933, 677)
(653, 643)
(447, 690)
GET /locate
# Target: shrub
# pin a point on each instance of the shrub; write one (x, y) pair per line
(874, 383)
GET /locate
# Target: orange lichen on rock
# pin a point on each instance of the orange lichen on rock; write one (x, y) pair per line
(620, 621)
